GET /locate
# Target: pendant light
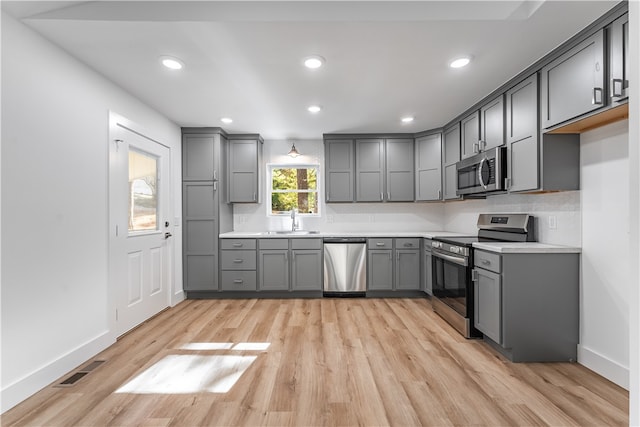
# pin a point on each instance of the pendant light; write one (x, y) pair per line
(293, 152)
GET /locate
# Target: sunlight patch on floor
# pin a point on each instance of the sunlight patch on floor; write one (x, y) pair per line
(182, 374)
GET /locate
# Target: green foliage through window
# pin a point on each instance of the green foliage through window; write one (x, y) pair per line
(294, 188)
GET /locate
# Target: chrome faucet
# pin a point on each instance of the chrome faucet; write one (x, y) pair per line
(294, 223)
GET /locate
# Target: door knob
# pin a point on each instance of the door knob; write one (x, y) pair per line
(167, 235)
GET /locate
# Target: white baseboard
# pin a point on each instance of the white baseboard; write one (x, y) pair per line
(177, 297)
(604, 366)
(15, 393)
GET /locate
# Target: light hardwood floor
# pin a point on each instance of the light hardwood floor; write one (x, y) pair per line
(329, 362)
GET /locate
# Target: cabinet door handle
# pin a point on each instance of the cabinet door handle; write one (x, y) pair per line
(379, 243)
(615, 84)
(408, 245)
(474, 275)
(215, 175)
(507, 183)
(237, 245)
(388, 195)
(238, 281)
(476, 147)
(381, 196)
(254, 197)
(215, 185)
(390, 256)
(597, 96)
(485, 262)
(439, 194)
(237, 261)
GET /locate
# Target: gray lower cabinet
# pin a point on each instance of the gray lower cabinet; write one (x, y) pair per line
(428, 166)
(527, 304)
(238, 265)
(306, 270)
(619, 59)
(451, 155)
(244, 160)
(380, 269)
(427, 267)
(290, 264)
(273, 264)
(573, 84)
(487, 304)
(393, 264)
(339, 170)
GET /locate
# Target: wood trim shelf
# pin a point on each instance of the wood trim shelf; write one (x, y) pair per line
(606, 117)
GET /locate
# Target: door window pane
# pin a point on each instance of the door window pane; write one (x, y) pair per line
(143, 191)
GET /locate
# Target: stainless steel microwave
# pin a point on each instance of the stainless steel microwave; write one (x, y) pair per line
(482, 173)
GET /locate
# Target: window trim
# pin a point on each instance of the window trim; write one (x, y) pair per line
(269, 169)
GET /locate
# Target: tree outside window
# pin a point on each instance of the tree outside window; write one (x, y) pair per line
(294, 187)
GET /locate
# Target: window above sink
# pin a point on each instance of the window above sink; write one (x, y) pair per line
(293, 186)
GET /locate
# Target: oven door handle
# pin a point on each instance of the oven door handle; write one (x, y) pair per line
(451, 258)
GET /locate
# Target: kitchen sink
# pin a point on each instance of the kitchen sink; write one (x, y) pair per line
(294, 233)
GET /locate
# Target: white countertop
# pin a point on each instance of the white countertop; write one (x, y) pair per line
(524, 247)
(322, 234)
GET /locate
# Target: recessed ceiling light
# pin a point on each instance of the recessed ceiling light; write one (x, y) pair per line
(407, 119)
(226, 120)
(314, 61)
(463, 61)
(171, 62)
(314, 108)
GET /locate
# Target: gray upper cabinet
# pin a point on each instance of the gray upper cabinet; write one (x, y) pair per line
(369, 170)
(245, 156)
(470, 134)
(339, 170)
(384, 170)
(573, 84)
(399, 170)
(451, 156)
(492, 124)
(522, 135)
(429, 168)
(197, 158)
(619, 59)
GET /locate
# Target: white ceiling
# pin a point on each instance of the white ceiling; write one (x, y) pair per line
(384, 59)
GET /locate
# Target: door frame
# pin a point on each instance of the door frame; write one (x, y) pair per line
(117, 121)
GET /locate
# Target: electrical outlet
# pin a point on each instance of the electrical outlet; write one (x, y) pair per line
(553, 222)
(372, 218)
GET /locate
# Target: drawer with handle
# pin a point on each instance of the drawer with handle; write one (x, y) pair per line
(238, 281)
(487, 260)
(407, 243)
(238, 260)
(238, 243)
(379, 244)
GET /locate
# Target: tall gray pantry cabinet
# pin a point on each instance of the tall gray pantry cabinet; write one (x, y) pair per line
(203, 216)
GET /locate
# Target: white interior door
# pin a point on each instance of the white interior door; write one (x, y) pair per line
(140, 232)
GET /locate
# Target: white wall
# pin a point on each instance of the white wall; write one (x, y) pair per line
(335, 216)
(606, 276)
(564, 206)
(55, 121)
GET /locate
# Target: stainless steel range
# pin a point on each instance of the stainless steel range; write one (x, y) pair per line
(452, 259)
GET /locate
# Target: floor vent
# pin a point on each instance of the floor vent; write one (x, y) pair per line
(80, 374)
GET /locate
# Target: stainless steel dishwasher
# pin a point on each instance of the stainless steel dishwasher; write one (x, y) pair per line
(345, 266)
